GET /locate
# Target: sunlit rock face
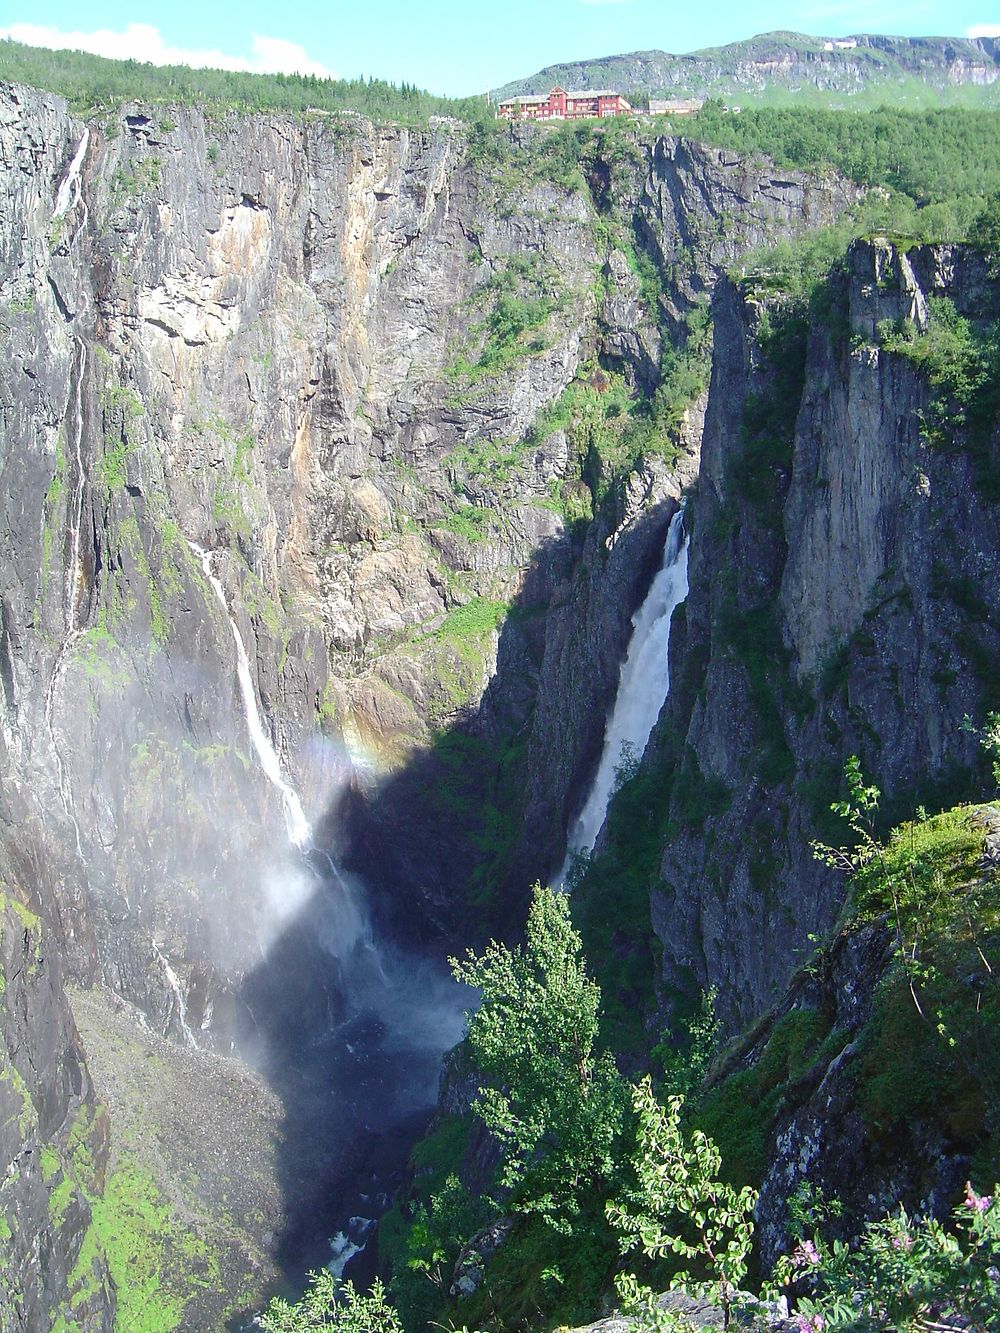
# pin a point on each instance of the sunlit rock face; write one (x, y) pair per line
(843, 602)
(239, 418)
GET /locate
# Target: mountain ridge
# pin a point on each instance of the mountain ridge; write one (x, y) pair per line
(788, 66)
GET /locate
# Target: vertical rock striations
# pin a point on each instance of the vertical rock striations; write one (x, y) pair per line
(842, 601)
(333, 355)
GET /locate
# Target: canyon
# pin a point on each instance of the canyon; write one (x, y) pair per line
(313, 603)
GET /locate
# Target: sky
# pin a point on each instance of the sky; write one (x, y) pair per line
(454, 47)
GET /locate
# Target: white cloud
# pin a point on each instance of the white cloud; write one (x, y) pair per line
(141, 41)
(983, 30)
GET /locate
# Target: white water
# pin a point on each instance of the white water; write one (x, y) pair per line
(69, 192)
(342, 1251)
(74, 421)
(65, 793)
(174, 983)
(642, 688)
(299, 832)
(76, 505)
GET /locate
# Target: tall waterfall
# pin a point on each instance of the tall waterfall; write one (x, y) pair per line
(642, 688)
(69, 193)
(76, 506)
(296, 823)
(74, 515)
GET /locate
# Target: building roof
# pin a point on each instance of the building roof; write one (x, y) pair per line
(583, 95)
(580, 93)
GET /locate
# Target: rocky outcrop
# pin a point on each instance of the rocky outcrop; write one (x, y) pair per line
(53, 1129)
(842, 601)
(889, 1099)
(698, 1314)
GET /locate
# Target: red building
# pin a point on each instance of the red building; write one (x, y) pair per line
(561, 105)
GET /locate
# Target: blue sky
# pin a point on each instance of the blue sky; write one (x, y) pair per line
(454, 46)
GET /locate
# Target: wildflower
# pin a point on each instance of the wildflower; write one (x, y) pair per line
(810, 1323)
(903, 1242)
(805, 1254)
(979, 1203)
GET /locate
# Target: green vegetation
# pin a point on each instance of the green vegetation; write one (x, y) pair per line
(961, 360)
(343, 1310)
(146, 1246)
(473, 522)
(20, 305)
(99, 656)
(555, 156)
(136, 181)
(611, 426)
(554, 1103)
(680, 1206)
(493, 461)
(739, 1112)
(678, 1177)
(134, 1229)
(929, 155)
(906, 1274)
(611, 908)
(521, 296)
(92, 84)
(558, 1105)
(121, 406)
(454, 656)
(932, 1045)
(477, 786)
(473, 620)
(228, 509)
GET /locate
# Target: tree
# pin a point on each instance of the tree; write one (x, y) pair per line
(341, 1310)
(556, 1105)
(680, 1206)
(984, 232)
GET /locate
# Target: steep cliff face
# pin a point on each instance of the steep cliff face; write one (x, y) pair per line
(842, 601)
(274, 387)
(53, 1130)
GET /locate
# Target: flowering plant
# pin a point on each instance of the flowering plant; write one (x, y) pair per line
(906, 1274)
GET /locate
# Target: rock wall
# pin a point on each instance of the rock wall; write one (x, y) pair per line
(267, 353)
(843, 601)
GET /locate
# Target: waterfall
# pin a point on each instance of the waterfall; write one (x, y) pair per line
(74, 423)
(643, 685)
(299, 832)
(174, 983)
(50, 702)
(69, 192)
(76, 505)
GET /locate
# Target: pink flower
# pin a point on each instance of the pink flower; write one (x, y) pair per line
(810, 1323)
(902, 1242)
(979, 1203)
(805, 1253)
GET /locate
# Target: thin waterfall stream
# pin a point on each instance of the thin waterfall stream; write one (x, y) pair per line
(643, 685)
(299, 832)
(72, 633)
(175, 986)
(70, 192)
(351, 1031)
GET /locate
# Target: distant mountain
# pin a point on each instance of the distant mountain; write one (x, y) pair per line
(781, 67)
